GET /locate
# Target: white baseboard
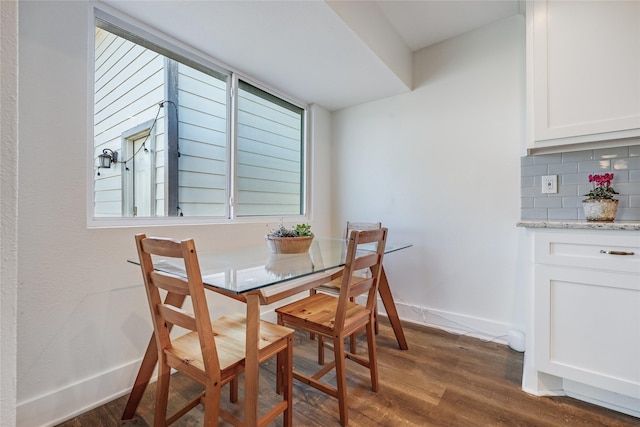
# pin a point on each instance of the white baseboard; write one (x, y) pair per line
(460, 324)
(486, 330)
(63, 404)
(615, 401)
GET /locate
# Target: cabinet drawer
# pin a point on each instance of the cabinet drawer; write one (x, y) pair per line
(601, 251)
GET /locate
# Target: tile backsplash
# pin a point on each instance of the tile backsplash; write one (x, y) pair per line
(573, 170)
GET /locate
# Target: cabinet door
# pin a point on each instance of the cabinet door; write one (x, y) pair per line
(588, 327)
(584, 65)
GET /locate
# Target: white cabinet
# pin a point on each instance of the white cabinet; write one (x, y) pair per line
(583, 71)
(586, 316)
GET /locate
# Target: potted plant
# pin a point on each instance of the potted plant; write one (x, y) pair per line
(294, 240)
(600, 204)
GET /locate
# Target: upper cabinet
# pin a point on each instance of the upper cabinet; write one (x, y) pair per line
(583, 72)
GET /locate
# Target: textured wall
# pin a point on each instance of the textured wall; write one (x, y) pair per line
(573, 169)
(8, 209)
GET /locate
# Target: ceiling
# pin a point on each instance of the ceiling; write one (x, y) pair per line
(332, 53)
(424, 23)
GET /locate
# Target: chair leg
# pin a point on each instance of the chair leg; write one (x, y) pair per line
(375, 317)
(320, 350)
(233, 390)
(353, 338)
(284, 364)
(341, 379)
(280, 365)
(312, 292)
(353, 343)
(287, 382)
(211, 405)
(373, 360)
(162, 394)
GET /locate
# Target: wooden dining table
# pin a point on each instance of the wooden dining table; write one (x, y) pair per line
(256, 277)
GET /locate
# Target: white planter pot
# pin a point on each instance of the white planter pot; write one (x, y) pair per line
(600, 209)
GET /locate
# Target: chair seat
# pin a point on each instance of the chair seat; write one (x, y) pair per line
(230, 336)
(318, 312)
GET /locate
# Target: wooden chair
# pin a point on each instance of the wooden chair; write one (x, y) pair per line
(338, 317)
(213, 353)
(334, 285)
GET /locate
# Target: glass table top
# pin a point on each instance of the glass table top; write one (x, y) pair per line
(254, 267)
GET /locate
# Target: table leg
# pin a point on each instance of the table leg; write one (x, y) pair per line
(251, 377)
(392, 312)
(148, 365)
(142, 380)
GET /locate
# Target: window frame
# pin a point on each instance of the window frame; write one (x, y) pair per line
(173, 49)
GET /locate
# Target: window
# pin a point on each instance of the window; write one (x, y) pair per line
(269, 159)
(192, 140)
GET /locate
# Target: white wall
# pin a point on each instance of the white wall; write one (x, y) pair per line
(440, 167)
(83, 322)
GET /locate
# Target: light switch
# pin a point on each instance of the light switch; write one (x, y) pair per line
(550, 184)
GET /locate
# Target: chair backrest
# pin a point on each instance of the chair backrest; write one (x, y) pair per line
(359, 258)
(168, 313)
(361, 226)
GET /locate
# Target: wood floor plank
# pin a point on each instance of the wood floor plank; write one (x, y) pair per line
(442, 380)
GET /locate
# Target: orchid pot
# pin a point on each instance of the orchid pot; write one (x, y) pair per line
(600, 204)
(600, 209)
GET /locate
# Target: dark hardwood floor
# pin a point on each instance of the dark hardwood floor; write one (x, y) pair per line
(442, 380)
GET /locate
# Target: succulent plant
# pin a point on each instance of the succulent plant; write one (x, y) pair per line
(300, 230)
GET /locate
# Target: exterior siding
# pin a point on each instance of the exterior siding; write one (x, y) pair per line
(269, 157)
(202, 130)
(129, 84)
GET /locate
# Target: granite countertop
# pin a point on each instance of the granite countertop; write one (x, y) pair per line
(580, 225)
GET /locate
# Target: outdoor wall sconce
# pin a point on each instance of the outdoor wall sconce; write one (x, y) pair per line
(107, 157)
